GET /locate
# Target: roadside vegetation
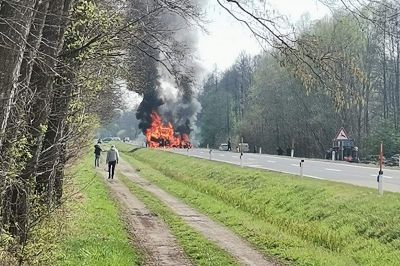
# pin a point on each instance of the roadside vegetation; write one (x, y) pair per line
(301, 221)
(198, 249)
(95, 233)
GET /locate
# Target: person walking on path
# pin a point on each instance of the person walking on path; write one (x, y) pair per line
(112, 160)
(97, 153)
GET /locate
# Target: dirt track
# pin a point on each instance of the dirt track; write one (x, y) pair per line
(238, 248)
(149, 232)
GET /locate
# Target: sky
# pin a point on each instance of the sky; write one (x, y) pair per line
(227, 37)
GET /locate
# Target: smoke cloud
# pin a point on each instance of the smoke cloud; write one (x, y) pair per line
(168, 88)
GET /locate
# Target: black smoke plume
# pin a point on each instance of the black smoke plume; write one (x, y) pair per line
(161, 62)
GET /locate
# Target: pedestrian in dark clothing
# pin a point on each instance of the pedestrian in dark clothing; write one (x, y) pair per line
(97, 153)
(229, 144)
(112, 160)
(279, 150)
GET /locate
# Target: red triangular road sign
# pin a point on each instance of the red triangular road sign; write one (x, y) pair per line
(342, 135)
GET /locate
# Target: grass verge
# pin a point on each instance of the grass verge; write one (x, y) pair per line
(302, 221)
(95, 234)
(199, 250)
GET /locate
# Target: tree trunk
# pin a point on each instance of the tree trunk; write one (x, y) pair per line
(43, 105)
(15, 21)
(41, 82)
(397, 88)
(385, 97)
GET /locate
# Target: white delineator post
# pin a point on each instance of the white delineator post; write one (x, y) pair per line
(380, 174)
(301, 168)
(333, 155)
(241, 154)
(188, 152)
(292, 151)
(210, 153)
(260, 152)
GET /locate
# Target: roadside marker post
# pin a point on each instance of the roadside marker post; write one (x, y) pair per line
(301, 168)
(333, 155)
(241, 160)
(292, 151)
(380, 174)
(210, 153)
(260, 152)
(188, 152)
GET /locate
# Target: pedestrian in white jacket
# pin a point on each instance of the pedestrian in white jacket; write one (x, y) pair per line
(112, 160)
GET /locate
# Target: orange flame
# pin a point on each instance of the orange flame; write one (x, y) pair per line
(160, 135)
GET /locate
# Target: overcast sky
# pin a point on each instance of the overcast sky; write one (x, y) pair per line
(228, 37)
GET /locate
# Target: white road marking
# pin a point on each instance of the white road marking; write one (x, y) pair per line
(251, 159)
(233, 156)
(334, 170)
(271, 161)
(297, 165)
(254, 165)
(221, 155)
(384, 176)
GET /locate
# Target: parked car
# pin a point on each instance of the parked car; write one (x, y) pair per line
(223, 147)
(244, 147)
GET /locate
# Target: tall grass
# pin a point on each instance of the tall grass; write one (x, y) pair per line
(95, 234)
(300, 220)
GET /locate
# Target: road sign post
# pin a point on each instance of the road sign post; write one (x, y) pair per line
(380, 174)
(301, 168)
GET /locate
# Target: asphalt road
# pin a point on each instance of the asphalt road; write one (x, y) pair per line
(356, 174)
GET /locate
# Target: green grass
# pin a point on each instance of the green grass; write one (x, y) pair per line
(95, 234)
(198, 249)
(302, 221)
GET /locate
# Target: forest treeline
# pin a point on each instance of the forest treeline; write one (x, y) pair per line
(270, 104)
(61, 66)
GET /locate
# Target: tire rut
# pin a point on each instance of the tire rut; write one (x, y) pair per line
(242, 251)
(149, 232)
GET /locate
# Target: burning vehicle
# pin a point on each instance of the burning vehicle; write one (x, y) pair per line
(164, 135)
